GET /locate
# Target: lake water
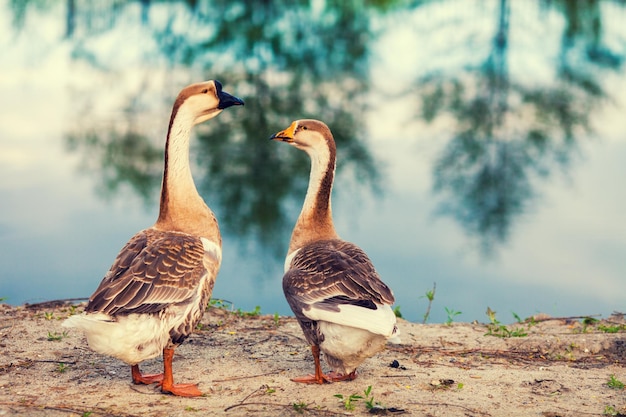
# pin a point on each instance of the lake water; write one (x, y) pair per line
(481, 144)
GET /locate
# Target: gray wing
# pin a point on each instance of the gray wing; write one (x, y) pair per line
(153, 270)
(329, 273)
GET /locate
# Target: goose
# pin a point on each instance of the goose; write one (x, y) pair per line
(338, 298)
(157, 289)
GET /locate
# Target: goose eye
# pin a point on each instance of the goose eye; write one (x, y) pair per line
(304, 128)
(206, 90)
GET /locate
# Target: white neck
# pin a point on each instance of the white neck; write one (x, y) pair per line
(179, 179)
(315, 221)
(319, 165)
(182, 208)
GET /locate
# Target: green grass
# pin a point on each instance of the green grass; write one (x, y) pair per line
(300, 407)
(227, 305)
(587, 322)
(497, 329)
(369, 398)
(55, 337)
(612, 328)
(253, 313)
(430, 296)
(610, 410)
(219, 303)
(451, 315)
(348, 401)
(590, 323)
(614, 383)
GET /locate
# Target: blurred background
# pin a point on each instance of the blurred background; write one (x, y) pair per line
(481, 144)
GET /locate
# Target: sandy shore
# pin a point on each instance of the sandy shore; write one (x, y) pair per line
(243, 363)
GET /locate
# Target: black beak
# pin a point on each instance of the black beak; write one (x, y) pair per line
(226, 100)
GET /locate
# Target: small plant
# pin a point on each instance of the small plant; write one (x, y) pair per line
(269, 390)
(430, 296)
(54, 337)
(396, 311)
(614, 383)
(519, 332)
(253, 313)
(369, 399)
(495, 328)
(348, 402)
(190, 408)
(2, 299)
(588, 321)
(612, 328)
(530, 321)
(48, 315)
(451, 315)
(218, 303)
(609, 410)
(87, 414)
(276, 320)
(300, 407)
(61, 367)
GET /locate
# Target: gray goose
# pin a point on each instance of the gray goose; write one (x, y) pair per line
(158, 287)
(343, 307)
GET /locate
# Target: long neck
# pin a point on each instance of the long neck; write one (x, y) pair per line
(182, 209)
(316, 221)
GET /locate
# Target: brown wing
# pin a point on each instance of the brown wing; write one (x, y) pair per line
(333, 272)
(154, 269)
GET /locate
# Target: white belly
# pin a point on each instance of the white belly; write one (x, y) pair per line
(132, 339)
(347, 347)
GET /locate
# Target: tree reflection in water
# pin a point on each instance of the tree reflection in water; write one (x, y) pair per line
(508, 134)
(301, 59)
(288, 60)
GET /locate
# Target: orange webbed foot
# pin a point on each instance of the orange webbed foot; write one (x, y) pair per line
(147, 379)
(310, 379)
(167, 384)
(182, 390)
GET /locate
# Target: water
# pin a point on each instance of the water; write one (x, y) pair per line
(481, 144)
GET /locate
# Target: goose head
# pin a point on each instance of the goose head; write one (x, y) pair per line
(205, 100)
(311, 136)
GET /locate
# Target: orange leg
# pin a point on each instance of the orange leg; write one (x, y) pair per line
(167, 384)
(139, 378)
(319, 377)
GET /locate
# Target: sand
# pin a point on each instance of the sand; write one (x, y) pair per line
(243, 364)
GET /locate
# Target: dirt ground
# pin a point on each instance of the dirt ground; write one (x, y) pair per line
(243, 362)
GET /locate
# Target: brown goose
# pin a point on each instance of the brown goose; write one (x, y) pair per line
(161, 281)
(343, 307)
